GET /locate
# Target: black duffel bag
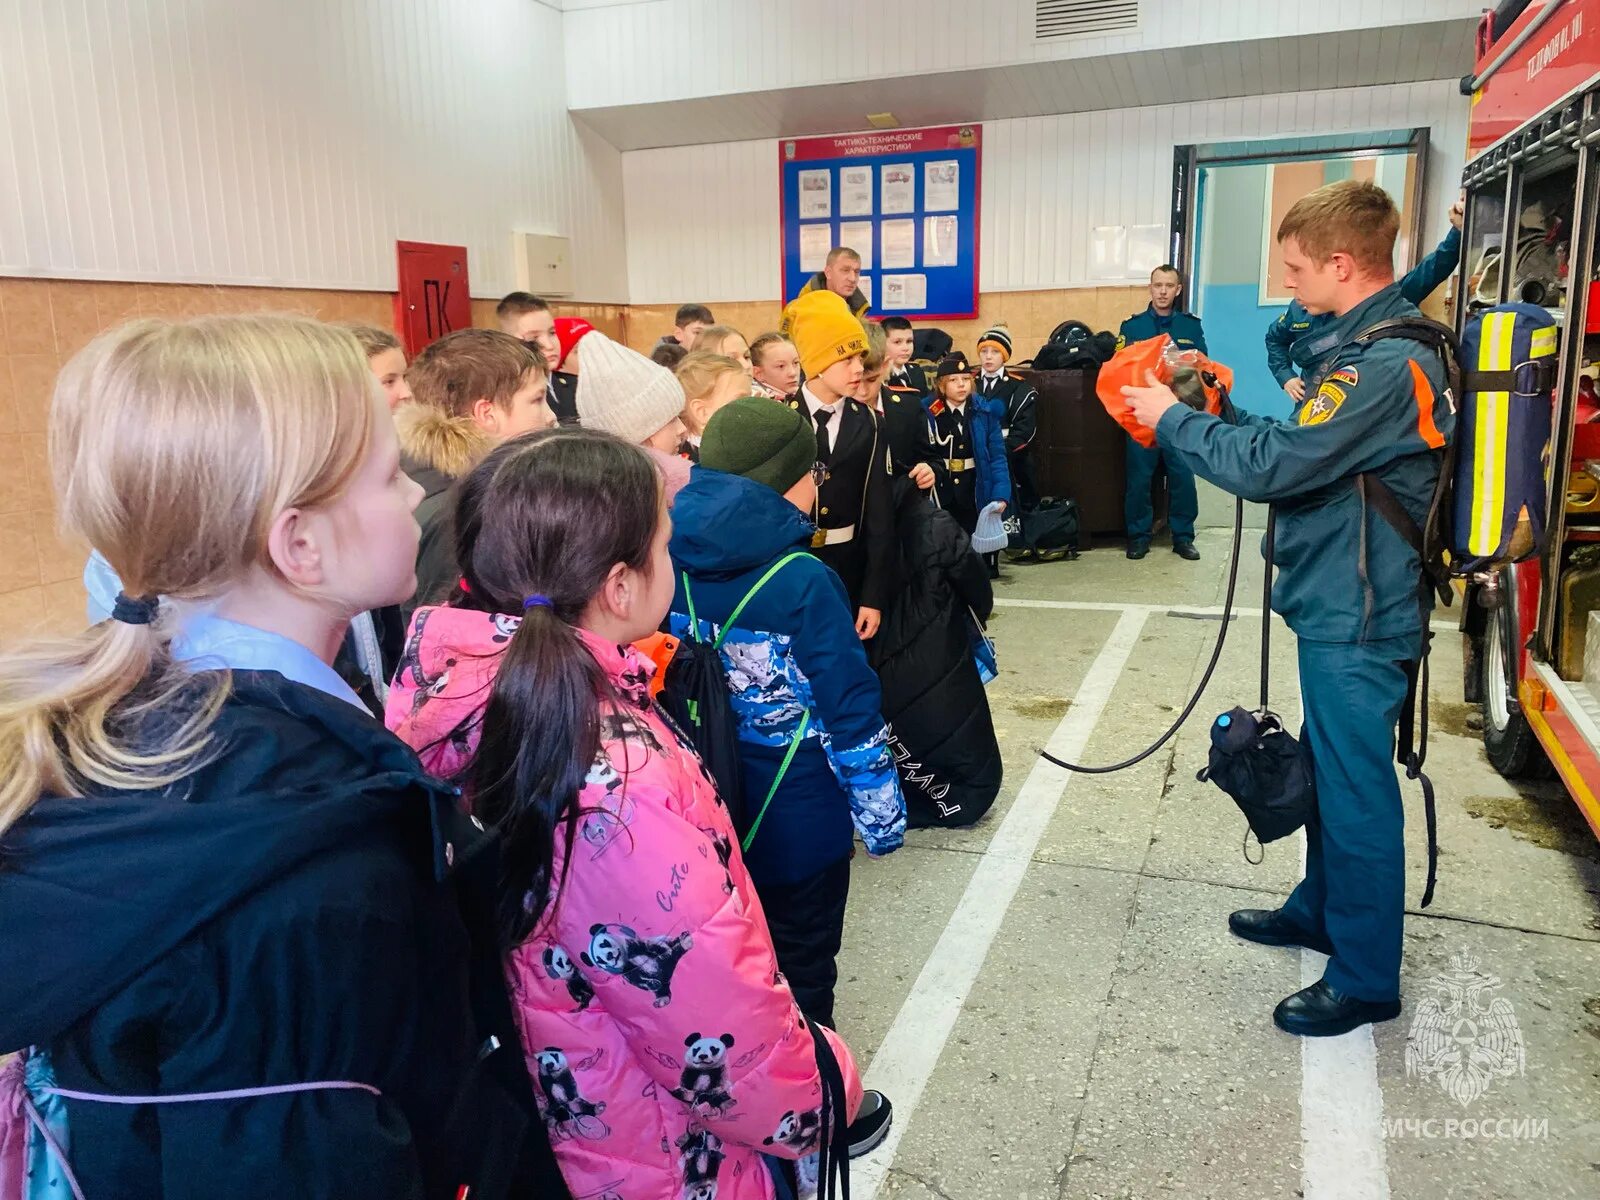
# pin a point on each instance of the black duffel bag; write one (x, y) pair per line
(1047, 533)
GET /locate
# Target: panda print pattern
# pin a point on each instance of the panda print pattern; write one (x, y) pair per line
(646, 963)
(703, 1085)
(566, 1111)
(798, 1131)
(701, 1158)
(558, 965)
(657, 930)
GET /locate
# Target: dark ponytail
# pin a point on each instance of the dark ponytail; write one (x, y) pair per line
(547, 515)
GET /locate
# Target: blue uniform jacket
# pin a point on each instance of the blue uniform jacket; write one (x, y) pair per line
(795, 648)
(1297, 341)
(1184, 328)
(1344, 575)
(986, 417)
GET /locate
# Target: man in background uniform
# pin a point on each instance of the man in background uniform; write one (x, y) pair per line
(1349, 586)
(1183, 505)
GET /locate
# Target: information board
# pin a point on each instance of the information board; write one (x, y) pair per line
(906, 200)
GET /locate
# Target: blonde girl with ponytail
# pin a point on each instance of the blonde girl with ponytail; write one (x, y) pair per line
(231, 956)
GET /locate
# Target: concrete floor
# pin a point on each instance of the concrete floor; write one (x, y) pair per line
(1055, 1005)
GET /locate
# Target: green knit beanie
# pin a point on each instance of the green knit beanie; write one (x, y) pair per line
(760, 439)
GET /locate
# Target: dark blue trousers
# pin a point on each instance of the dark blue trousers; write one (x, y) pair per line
(1354, 892)
(1183, 505)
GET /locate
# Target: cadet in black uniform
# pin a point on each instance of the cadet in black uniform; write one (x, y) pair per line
(1021, 421)
(905, 425)
(854, 516)
(967, 430)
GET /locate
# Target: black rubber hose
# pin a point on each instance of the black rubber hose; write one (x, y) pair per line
(1205, 679)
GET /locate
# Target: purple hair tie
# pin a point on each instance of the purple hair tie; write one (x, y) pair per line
(536, 601)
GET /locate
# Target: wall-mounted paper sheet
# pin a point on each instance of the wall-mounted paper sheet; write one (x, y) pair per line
(906, 293)
(858, 236)
(899, 249)
(815, 242)
(855, 191)
(816, 194)
(939, 245)
(941, 186)
(897, 193)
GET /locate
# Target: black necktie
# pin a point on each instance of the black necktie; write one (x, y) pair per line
(824, 446)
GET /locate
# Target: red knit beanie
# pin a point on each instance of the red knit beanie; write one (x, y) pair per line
(568, 331)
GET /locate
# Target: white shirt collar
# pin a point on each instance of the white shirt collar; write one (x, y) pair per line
(814, 406)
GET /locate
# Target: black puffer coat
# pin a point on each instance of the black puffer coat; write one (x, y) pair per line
(944, 740)
(308, 906)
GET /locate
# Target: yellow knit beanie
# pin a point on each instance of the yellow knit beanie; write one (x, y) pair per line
(824, 331)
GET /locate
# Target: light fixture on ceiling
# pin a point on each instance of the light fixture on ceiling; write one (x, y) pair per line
(883, 120)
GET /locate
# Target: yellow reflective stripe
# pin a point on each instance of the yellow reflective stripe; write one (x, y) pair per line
(1489, 444)
(1544, 342)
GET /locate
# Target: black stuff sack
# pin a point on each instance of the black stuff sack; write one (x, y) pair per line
(1265, 769)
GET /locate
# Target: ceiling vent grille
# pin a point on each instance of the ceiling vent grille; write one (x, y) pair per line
(1054, 19)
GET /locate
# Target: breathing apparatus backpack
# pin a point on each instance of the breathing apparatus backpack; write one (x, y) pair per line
(1489, 507)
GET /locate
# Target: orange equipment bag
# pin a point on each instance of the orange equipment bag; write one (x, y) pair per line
(1198, 381)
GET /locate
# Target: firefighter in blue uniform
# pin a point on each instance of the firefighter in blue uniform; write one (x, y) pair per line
(1348, 585)
(1297, 342)
(1183, 505)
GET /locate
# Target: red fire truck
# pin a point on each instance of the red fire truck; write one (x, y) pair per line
(1533, 192)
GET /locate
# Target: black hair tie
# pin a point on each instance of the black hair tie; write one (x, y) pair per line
(131, 611)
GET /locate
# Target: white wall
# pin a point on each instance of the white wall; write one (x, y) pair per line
(677, 49)
(703, 221)
(292, 142)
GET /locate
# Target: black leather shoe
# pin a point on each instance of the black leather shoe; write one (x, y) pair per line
(1137, 549)
(1186, 551)
(1319, 1011)
(1271, 928)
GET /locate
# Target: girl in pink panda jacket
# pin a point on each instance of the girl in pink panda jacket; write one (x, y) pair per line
(667, 1051)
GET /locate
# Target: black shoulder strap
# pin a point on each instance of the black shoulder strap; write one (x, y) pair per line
(1428, 540)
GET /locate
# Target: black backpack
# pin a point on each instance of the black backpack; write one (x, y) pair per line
(1073, 346)
(694, 693)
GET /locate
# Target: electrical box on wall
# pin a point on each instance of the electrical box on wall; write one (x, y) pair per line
(544, 263)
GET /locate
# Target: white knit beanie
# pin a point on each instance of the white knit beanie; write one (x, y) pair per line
(621, 391)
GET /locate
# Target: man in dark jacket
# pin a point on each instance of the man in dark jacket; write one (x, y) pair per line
(288, 913)
(841, 275)
(812, 741)
(942, 732)
(1162, 316)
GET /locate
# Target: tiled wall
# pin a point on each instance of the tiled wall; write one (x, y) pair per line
(42, 322)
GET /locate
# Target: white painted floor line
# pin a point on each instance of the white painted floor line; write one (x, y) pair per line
(1341, 1104)
(1341, 1110)
(911, 1049)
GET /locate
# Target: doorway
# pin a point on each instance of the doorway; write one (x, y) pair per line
(1229, 199)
